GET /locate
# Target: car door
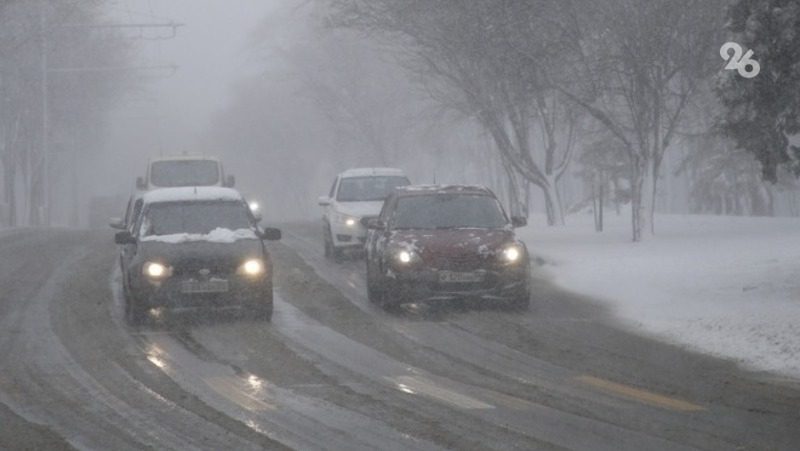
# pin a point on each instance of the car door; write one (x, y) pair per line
(128, 251)
(328, 210)
(378, 238)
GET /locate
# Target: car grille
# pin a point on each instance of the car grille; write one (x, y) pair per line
(458, 262)
(203, 269)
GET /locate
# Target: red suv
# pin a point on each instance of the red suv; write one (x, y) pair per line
(435, 243)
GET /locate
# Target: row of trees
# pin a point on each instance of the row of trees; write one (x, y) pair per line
(57, 82)
(588, 101)
(543, 77)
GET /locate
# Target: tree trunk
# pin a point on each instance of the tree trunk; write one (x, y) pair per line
(9, 183)
(641, 200)
(600, 196)
(552, 199)
(651, 184)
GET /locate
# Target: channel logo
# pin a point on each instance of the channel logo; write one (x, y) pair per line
(742, 63)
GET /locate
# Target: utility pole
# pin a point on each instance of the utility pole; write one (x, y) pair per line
(44, 212)
(45, 170)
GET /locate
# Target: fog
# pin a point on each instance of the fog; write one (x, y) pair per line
(480, 224)
(168, 112)
(289, 93)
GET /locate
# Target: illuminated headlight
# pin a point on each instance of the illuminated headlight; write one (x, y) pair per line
(155, 270)
(254, 206)
(406, 257)
(347, 220)
(253, 267)
(512, 254)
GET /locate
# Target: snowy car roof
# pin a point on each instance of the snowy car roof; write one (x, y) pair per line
(191, 193)
(362, 172)
(444, 189)
(183, 158)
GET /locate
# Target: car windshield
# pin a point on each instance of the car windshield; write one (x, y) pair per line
(194, 217)
(184, 173)
(371, 188)
(445, 211)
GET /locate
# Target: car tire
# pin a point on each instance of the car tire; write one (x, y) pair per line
(326, 237)
(390, 301)
(330, 248)
(522, 301)
(262, 313)
(135, 313)
(374, 294)
(338, 254)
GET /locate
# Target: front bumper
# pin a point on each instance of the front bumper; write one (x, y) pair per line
(242, 293)
(422, 285)
(345, 236)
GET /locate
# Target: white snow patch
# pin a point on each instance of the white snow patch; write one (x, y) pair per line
(218, 235)
(191, 193)
(728, 286)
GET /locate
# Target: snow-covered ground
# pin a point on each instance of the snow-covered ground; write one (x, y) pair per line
(728, 286)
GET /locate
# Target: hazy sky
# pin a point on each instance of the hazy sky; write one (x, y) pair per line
(212, 52)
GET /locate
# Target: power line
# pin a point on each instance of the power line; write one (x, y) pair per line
(46, 71)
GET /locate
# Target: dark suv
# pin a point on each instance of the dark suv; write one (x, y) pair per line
(434, 243)
(196, 248)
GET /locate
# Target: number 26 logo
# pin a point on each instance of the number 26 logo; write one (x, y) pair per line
(745, 65)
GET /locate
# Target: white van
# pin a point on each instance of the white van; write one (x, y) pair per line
(184, 170)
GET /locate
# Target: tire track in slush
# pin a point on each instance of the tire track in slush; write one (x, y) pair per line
(282, 414)
(58, 392)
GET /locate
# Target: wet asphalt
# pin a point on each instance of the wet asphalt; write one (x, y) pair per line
(332, 371)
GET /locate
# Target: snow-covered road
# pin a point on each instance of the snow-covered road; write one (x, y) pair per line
(729, 286)
(333, 371)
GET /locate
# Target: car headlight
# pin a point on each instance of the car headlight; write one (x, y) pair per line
(253, 267)
(406, 257)
(512, 253)
(349, 221)
(155, 270)
(254, 207)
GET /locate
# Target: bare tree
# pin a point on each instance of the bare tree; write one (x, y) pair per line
(470, 58)
(34, 32)
(640, 63)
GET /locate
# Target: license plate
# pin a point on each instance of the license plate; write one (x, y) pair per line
(209, 286)
(460, 277)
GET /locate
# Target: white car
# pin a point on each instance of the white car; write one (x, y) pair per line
(355, 194)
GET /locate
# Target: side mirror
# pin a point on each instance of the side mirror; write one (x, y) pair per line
(374, 224)
(116, 223)
(519, 221)
(140, 183)
(324, 201)
(270, 234)
(230, 181)
(124, 237)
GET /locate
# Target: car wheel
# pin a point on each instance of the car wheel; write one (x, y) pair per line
(262, 313)
(135, 313)
(330, 248)
(326, 236)
(374, 294)
(338, 254)
(523, 300)
(390, 301)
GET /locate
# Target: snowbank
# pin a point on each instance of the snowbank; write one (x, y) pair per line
(727, 286)
(217, 235)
